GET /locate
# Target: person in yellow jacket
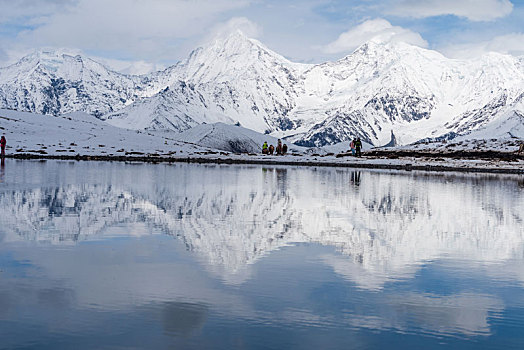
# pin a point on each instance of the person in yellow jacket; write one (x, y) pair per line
(264, 148)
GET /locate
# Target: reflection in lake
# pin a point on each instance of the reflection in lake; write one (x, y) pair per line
(213, 256)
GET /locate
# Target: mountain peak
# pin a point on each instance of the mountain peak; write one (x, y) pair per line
(377, 45)
(67, 61)
(234, 36)
(59, 52)
(387, 51)
(236, 43)
(230, 54)
(51, 55)
(51, 60)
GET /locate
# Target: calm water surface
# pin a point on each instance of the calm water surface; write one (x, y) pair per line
(113, 255)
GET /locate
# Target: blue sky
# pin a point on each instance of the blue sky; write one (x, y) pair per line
(139, 35)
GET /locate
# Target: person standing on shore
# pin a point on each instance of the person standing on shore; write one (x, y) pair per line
(352, 147)
(279, 147)
(3, 142)
(358, 146)
(265, 150)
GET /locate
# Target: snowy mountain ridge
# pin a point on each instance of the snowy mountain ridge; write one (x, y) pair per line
(378, 89)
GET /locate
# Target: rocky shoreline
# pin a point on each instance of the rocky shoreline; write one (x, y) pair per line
(459, 161)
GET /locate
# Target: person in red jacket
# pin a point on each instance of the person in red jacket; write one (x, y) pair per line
(3, 142)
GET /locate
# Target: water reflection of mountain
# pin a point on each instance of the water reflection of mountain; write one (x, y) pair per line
(385, 225)
(464, 313)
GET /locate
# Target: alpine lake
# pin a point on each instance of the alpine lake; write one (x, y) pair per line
(114, 255)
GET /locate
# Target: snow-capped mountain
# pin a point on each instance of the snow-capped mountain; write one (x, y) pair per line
(55, 82)
(380, 89)
(241, 78)
(411, 91)
(233, 80)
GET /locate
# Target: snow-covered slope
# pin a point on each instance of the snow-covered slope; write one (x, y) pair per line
(176, 108)
(80, 133)
(379, 89)
(231, 138)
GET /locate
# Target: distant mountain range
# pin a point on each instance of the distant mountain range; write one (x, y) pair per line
(379, 91)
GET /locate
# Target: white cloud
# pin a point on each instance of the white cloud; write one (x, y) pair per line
(474, 10)
(130, 67)
(376, 29)
(33, 11)
(161, 32)
(4, 56)
(141, 29)
(249, 28)
(512, 44)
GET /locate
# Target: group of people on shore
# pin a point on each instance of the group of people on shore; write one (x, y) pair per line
(280, 150)
(356, 146)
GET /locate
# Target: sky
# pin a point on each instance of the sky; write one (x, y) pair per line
(138, 36)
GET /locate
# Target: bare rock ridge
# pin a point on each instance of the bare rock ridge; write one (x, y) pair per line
(380, 89)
